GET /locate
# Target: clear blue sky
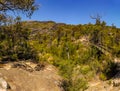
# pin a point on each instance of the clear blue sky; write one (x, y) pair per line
(78, 11)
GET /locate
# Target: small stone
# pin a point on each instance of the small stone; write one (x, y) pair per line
(3, 85)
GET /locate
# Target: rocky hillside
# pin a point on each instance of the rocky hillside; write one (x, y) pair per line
(83, 54)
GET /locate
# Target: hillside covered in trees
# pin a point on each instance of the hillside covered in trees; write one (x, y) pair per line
(81, 52)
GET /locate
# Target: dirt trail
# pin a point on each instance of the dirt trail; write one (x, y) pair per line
(20, 79)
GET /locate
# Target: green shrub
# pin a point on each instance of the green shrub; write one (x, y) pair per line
(102, 77)
(85, 69)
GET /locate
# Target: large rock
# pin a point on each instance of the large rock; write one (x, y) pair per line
(20, 79)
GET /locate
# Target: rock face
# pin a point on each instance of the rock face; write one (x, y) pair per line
(21, 79)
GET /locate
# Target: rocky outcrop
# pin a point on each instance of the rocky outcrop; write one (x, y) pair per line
(29, 77)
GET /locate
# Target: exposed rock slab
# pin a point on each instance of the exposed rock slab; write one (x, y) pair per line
(22, 80)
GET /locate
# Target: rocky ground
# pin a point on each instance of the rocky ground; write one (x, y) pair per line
(103, 86)
(109, 85)
(29, 76)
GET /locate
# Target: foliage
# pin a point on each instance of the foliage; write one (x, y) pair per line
(26, 6)
(13, 36)
(79, 51)
(14, 43)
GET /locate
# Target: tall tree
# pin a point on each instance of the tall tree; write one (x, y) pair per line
(97, 18)
(13, 37)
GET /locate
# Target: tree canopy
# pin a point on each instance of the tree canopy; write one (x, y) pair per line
(12, 34)
(25, 6)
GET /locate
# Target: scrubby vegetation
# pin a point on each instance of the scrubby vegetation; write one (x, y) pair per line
(81, 52)
(13, 37)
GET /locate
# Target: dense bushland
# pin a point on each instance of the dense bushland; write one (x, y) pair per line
(81, 52)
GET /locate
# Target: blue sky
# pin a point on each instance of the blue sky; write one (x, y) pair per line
(78, 11)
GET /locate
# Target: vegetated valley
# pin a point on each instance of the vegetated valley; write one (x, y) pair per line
(82, 53)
